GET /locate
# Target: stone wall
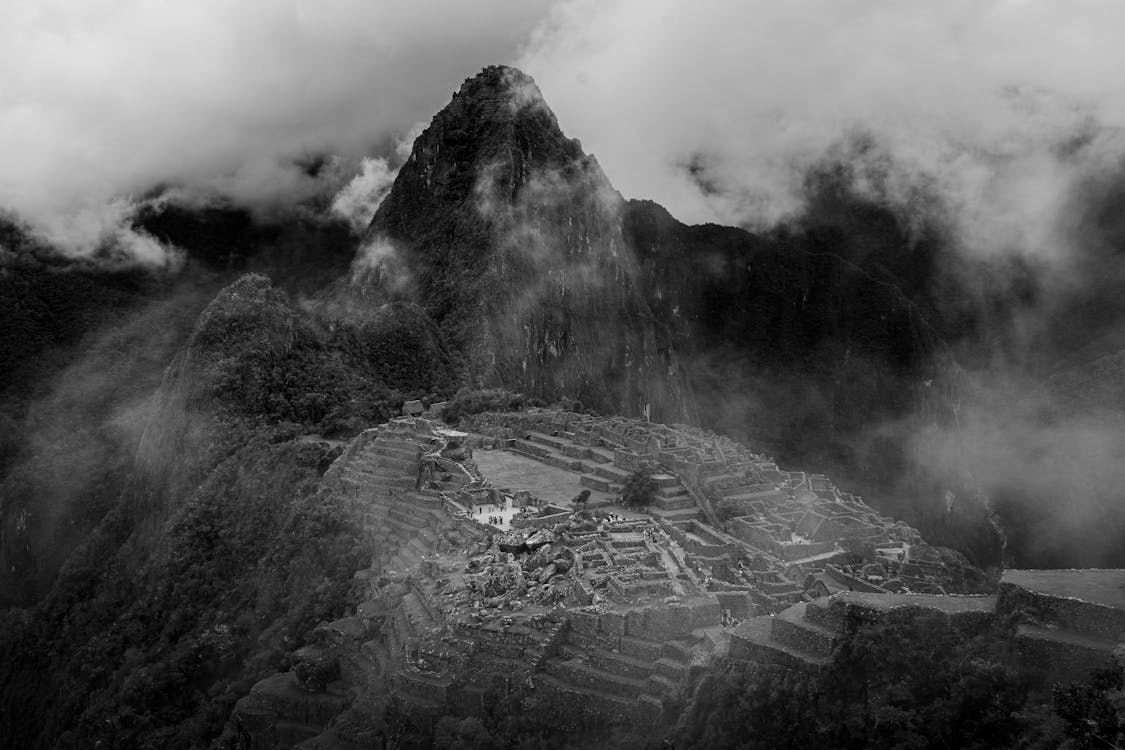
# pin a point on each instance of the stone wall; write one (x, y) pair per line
(738, 603)
(744, 530)
(654, 623)
(1071, 613)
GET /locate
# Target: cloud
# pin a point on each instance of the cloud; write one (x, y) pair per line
(1051, 471)
(358, 200)
(102, 99)
(106, 228)
(993, 111)
(378, 265)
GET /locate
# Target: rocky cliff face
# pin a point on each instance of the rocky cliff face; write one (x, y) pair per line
(513, 239)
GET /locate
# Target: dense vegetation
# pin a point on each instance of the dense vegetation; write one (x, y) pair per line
(469, 401)
(918, 684)
(154, 653)
(215, 555)
(639, 490)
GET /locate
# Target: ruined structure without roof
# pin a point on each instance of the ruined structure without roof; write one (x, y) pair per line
(607, 613)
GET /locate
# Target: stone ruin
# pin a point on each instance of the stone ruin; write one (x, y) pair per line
(607, 615)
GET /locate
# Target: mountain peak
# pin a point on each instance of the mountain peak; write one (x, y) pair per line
(503, 81)
(498, 131)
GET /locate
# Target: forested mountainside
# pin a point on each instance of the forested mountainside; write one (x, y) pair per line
(215, 557)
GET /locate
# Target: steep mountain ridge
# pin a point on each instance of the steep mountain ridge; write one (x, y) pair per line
(513, 238)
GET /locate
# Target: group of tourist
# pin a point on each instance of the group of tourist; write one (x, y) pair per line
(492, 520)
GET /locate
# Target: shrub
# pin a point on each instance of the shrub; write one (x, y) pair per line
(467, 402)
(640, 488)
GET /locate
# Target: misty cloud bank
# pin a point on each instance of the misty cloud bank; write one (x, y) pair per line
(986, 111)
(104, 99)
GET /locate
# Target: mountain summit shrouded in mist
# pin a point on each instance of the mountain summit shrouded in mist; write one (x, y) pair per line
(513, 239)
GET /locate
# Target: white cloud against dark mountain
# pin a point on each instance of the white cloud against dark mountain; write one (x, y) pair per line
(102, 99)
(717, 110)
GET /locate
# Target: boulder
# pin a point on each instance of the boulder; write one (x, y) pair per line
(541, 537)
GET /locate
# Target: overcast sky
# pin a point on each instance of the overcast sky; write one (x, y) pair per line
(995, 108)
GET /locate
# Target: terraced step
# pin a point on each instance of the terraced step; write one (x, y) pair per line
(667, 481)
(677, 516)
(641, 649)
(612, 473)
(753, 641)
(1065, 655)
(380, 483)
(595, 640)
(596, 699)
(611, 662)
(792, 628)
(530, 449)
(554, 443)
(676, 650)
(598, 483)
(675, 503)
(382, 476)
(570, 450)
(432, 501)
(581, 675)
(390, 463)
(399, 439)
(819, 611)
(719, 479)
(378, 486)
(397, 450)
(600, 455)
(676, 490)
(404, 558)
(1088, 601)
(407, 517)
(672, 669)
